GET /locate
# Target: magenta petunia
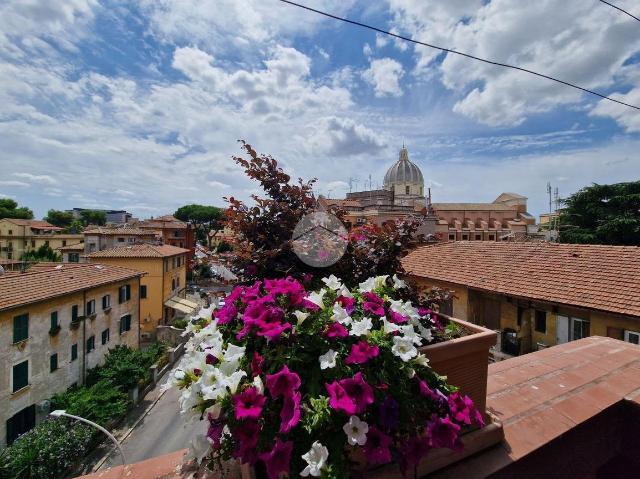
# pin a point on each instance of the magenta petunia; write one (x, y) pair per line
(373, 303)
(248, 404)
(397, 318)
(257, 363)
(412, 451)
(377, 448)
(278, 460)
(463, 410)
(283, 383)
(246, 438)
(443, 432)
(226, 314)
(358, 391)
(347, 303)
(336, 330)
(389, 413)
(290, 413)
(214, 433)
(435, 395)
(289, 287)
(339, 399)
(361, 352)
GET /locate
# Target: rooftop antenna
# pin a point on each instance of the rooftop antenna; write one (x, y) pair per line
(556, 219)
(351, 182)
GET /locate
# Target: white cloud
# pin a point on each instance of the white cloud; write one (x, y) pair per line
(381, 40)
(14, 183)
(218, 184)
(626, 117)
(344, 137)
(121, 192)
(366, 49)
(384, 74)
(42, 179)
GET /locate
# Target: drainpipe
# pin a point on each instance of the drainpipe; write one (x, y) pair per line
(84, 336)
(139, 309)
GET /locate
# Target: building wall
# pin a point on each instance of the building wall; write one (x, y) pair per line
(38, 348)
(460, 298)
(23, 239)
(99, 242)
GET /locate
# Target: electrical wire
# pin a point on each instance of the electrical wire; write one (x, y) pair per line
(467, 55)
(621, 9)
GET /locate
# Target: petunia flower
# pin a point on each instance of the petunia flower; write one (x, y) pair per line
(257, 362)
(328, 359)
(315, 458)
(361, 328)
(359, 391)
(246, 436)
(278, 460)
(282, 383)
(444, 433)
(300, 316)
(435, 395)
(398, 283)
(336, 330)
(361, 352)
(463, 409)
(389, 413)
(248, 404)
(317, 298)
(332, 282)
(356, 431)
(340, 314)
(373, 304)
(377, 449)
(290, 413)
(398, 318)
(404, 348)
(347, 302)
(412, 451)
(339, 399)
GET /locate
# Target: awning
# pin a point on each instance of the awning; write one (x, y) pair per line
(181, 304)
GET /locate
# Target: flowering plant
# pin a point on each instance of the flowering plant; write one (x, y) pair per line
(290, 379)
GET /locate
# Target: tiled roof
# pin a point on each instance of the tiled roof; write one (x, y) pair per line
(138, 251)
(72, 247)
(471, 207)
(38, 224)
(56, 279)
(598, 277)
(100, 230)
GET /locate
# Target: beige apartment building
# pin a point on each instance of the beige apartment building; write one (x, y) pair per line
(19, 236)
(57, 321)
(106, 237)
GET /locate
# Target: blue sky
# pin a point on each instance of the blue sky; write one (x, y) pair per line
(138, 105)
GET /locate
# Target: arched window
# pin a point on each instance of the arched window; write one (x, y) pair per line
(406, 189)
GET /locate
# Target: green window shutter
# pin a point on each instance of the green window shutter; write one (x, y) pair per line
(105, 336)
(128, 288)
(74, 352)
(54, 320)
(121, 294)
(20, 328)
(53, 362)
(74, 313)
(20, 375)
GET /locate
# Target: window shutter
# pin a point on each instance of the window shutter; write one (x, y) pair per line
(20, 328)
(121, 292)
(128, 289)
(20, 375)
(53, 362)
(74, 352)
(74, 312)
(54, 320)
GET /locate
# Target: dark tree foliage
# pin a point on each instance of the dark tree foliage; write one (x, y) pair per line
(43, 253)
(204, 218)
(263, 232)
(93, 217)
(602, 214)
(9, 209)
(62, 219)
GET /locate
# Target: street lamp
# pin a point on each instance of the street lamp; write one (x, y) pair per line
(61, 412)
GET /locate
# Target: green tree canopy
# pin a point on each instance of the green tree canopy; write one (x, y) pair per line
(9, 209)
(204, 218)
(602, 214)
(43, 253)
(63, 219)
(93, 217)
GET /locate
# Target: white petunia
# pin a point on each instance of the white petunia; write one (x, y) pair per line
(398, 283)
(340, 315)
(389, 327)
(257, 383)
(409, 333)
(316, 458)
(367, 286)
(422, 360)
(200, 446)
(234, 353)
(361, 328)
(233, 381)
(411, 373)
(332, 282)
(356, 431)
(328, 359)
(213, 411)
(345, 292)
(301, 316)
(425, 333)
(404, 348)
(179, 374)
(317, 298)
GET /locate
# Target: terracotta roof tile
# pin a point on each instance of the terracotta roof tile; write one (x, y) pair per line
(599, 277)
(138, 251)
(38, 224)
(50, 280)
(72, 247)
(100, 230)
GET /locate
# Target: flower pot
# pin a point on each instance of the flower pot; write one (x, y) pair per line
(465, 361)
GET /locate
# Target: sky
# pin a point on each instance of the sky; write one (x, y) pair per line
(140, 105)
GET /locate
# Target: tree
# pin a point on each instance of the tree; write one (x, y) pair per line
(9, 209)
(204, 218)
(602, 214)
(93, 217)
(63, 219)
(263, 233)
(43, 253)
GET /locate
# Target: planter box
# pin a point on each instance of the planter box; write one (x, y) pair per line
(465, 361)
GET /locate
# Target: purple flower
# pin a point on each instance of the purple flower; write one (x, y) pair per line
(436, 396)
(226, 314)
(211, 359)
(389, 413)
(397, 318)
(412, 451)
(287, 287)
(361, 352)
(376, 449)
(214, 433)
(339, 399)
(272, 331)
(278, 459)
(246, 438)
(283, 383)
(347, 303)
(444, 433)
(290, 413)
(373, 304)
(463, 410)
(248, 404)
(359, 391)
(336, 330)
(257, 363)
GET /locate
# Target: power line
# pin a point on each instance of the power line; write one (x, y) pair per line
(449, 50)
(621, 9)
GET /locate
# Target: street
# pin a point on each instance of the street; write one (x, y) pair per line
(161, 431)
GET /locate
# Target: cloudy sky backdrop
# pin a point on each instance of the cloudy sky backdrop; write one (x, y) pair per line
(138, 105)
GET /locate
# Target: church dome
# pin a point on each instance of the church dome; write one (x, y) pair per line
(403, 171)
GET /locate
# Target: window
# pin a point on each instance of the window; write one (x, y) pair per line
(91, 344)
(120, 240)
(33, 243)
(54, 321)
(173, 284)
(178, 261)
(177, 282)
(74, 313)
(143, 291)
(579, 328)
(106, 301)
(452, 237)
(124, 293)
(492, 237)
(46, 243)
(632, 337)
(91, 307)
(10, 232)
(20, 328)
(74, 257)
(541, 322)
(125, 323)
(74, 352)
(21, 422)
(465, 237)
(406, 190)
(53, 362)
(64, 242)
(478, 237)
(105, 336)
(20, 376)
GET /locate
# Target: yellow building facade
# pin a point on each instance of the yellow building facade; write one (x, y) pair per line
(57, 323)
(165, 277)
(20, 236)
